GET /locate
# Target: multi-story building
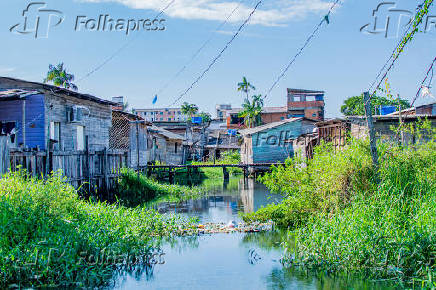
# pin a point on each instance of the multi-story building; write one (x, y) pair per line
(221, 111)
(161, 115)
(269, 115)
(306, 103)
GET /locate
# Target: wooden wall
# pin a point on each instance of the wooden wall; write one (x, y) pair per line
(96, 171)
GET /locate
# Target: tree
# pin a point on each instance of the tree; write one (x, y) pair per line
(354, 106)
(252, 111)
(245, 86)
(59, 77)
(205, 116)
(189, 110)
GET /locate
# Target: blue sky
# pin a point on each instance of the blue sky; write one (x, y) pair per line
(341, 60)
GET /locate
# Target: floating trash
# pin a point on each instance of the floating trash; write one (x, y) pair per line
(223, 228)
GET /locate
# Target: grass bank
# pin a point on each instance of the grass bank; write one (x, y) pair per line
(343, 221)
(49, 237)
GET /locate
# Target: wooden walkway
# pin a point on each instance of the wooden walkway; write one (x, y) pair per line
(193, 169)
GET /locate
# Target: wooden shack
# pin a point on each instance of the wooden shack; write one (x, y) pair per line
(38, 113)
(129, 133)
(164, 147)
(266, 143)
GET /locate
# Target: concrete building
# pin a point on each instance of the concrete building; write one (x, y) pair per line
(161, 115)
(269, 115)
(222, 110)
(306, 103)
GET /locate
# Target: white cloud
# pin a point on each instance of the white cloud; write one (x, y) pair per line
(271, 13)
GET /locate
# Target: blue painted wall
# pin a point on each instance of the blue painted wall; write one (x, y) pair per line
(268, 145)
(11, 111)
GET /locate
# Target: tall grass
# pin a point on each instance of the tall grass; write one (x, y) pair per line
(49, 237)
(345, 222)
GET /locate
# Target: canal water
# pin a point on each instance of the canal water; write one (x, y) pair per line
(228, 261)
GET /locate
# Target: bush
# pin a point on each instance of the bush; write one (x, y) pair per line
(325, 184)
(49, 237)
(390, 232)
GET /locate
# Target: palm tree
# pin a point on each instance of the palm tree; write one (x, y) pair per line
(245, 86)
(189, 110)
(252, 110)
(59, 77)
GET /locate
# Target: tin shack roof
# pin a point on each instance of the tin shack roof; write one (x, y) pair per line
(251, 131)
(41, 87)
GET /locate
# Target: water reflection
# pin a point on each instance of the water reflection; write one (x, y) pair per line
(225, 201)
(229, 261)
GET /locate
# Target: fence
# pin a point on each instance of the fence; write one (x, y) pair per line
(95, 171)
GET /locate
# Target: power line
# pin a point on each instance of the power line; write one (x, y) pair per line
(112, 56)
(300, 51)
(396, 53)
(430, 69)
(219, 55)
(199, 50)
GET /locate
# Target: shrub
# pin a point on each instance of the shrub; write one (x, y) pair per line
(325, 184)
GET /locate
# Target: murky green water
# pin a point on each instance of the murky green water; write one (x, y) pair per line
(229, 261)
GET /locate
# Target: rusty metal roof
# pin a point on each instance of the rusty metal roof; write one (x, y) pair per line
(15, 94)
(254, 130)
(32, 86)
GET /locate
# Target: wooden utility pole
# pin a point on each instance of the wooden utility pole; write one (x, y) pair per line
(401, 120)
(373, 142)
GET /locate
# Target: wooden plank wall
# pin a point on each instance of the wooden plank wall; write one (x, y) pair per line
(4, 155)
(94, 171)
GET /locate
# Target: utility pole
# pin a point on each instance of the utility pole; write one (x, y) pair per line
(401, 120)
(373, 142)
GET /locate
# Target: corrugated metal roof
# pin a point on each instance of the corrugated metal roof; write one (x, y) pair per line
(16, 94)
(264, 110)
(300, 91)
(165, 133)
(54, 89)
(379, 118)
(251, 131)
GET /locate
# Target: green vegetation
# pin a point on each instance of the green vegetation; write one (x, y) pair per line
(189, 110)
(354, 106)
(59, 77)
(134, 190)
(230, 157)
(251, 109)
(345, 222)
(49, 237)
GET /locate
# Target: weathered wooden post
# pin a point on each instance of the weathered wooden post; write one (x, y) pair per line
(373, 141)
(401, 120)
(226, 173)
(245, 171)
(171, 175)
